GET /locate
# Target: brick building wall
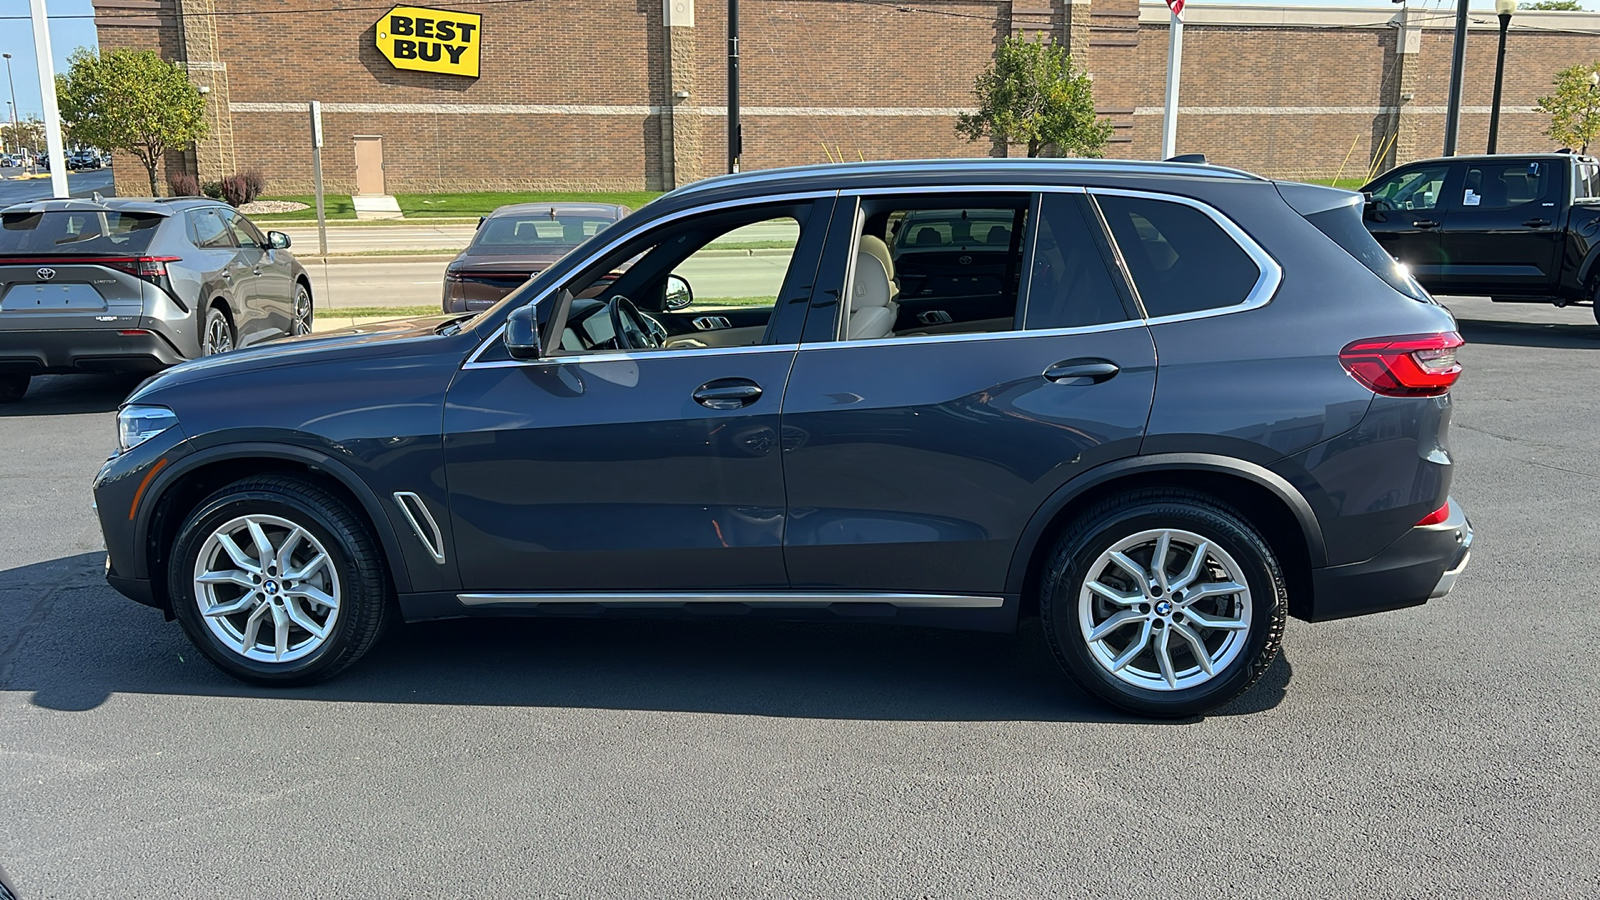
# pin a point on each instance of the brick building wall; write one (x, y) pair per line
(629, 94)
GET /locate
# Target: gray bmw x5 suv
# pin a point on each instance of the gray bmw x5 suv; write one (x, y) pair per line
(1160, 406)
(127, 285)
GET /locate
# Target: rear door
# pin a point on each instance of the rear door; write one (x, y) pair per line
(1406, 212)
(1503, 233)
(274, 280)
(216, 265)
(916, 452)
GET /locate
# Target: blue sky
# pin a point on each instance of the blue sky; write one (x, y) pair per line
(72, 27)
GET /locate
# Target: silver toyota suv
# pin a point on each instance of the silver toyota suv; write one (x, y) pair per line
(128, 285)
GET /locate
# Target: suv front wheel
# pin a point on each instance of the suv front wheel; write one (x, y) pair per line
(278, 581)
(1165, 603)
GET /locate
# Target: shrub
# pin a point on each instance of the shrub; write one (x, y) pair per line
(212, 189)
(256, 182)
(241, 188)
(182, 184)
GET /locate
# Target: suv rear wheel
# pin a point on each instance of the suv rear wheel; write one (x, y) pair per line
(1165, 603)
(278, 581)
(219, 332)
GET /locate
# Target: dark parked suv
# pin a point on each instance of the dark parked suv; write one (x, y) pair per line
(1161, 406)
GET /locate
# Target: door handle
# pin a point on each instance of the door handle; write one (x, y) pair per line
(1081, 371)
(1424, 223)
(1536, 223)
(727, 393)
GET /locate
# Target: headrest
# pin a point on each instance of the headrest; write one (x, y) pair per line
(876, 246)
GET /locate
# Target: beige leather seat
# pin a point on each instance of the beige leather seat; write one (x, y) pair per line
(872, 312)
(878, 248)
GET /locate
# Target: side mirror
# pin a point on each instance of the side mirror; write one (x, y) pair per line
(522, 333)
(277, 240)
(679, 294)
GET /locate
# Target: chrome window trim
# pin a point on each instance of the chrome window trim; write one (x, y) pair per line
(975, 336)
(965, 189)
(778, 599)
(1268, 279)
(472, 358)
(626, 355)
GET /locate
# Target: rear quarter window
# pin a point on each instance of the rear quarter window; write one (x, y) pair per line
(1180, 259)
(1345, 227)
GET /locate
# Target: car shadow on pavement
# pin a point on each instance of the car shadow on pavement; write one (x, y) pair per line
(1557, 336)
(66, 395)
(79, 642)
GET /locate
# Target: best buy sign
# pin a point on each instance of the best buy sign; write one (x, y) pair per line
(430, 40)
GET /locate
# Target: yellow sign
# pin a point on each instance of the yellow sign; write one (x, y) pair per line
(431, 40)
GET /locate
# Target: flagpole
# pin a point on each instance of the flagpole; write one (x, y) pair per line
(1169, 118)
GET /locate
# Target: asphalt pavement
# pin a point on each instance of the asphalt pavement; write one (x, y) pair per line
(15, 189)
(1444, 751)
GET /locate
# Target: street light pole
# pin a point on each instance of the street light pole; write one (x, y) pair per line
(1504, 9)
(47, 94)
(1458, 64)
(13, 83)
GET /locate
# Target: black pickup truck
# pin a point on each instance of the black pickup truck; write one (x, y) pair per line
(1516, 228)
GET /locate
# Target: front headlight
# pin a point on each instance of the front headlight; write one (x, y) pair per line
(137, 424)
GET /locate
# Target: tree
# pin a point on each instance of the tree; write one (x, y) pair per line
(131, 100)
(1033, 93)
(1574, 108)
(1552, 6)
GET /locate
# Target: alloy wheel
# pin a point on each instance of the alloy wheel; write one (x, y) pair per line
(1164, 610)
(267, 588)
(219, 335)
(302, 311)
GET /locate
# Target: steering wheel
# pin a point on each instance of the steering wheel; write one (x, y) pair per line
(631, 328)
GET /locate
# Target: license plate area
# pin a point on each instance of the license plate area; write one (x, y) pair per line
(22, 298)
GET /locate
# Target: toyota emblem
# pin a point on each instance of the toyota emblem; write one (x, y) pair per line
(965, 260)
(46, 273)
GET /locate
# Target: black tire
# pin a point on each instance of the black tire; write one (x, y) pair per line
(218, 335)
(12, 387)
(363, 591)
(1594, 300)
(1074, 560)
(301, 311)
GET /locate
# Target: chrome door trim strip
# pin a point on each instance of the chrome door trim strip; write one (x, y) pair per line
(1010, 334)
(1267, 281)
(769, 599)
(433, 539)
(472, 358)
(632, 355)
(966, 189)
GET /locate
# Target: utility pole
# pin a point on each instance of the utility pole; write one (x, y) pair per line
(1458, 63)
(47, 92)
(735, 134)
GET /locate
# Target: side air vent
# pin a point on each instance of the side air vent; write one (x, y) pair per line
(422, 523)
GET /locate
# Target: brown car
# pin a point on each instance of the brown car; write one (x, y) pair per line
(516, 242)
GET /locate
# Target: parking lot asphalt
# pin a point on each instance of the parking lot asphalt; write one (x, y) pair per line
(1447, 750)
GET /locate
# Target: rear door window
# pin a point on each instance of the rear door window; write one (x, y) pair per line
(1491, 187)
(1069, 284)
(1181, 259)
(73, 232)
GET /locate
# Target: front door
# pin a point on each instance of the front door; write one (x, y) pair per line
(981, 355)
(271, 282)
(1405, 215)
(641, 452)
(369, 164)
(1503, 233)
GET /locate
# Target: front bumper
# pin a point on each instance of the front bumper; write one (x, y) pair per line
(1422, 565)
(86, 350)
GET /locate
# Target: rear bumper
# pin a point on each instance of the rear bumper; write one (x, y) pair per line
(97, 350)
(1422, 565)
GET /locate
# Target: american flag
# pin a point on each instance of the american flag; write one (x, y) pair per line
(1176, 6)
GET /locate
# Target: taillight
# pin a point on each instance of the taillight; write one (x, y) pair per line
(149, 268)
(1412, 365)
(1437, 516)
